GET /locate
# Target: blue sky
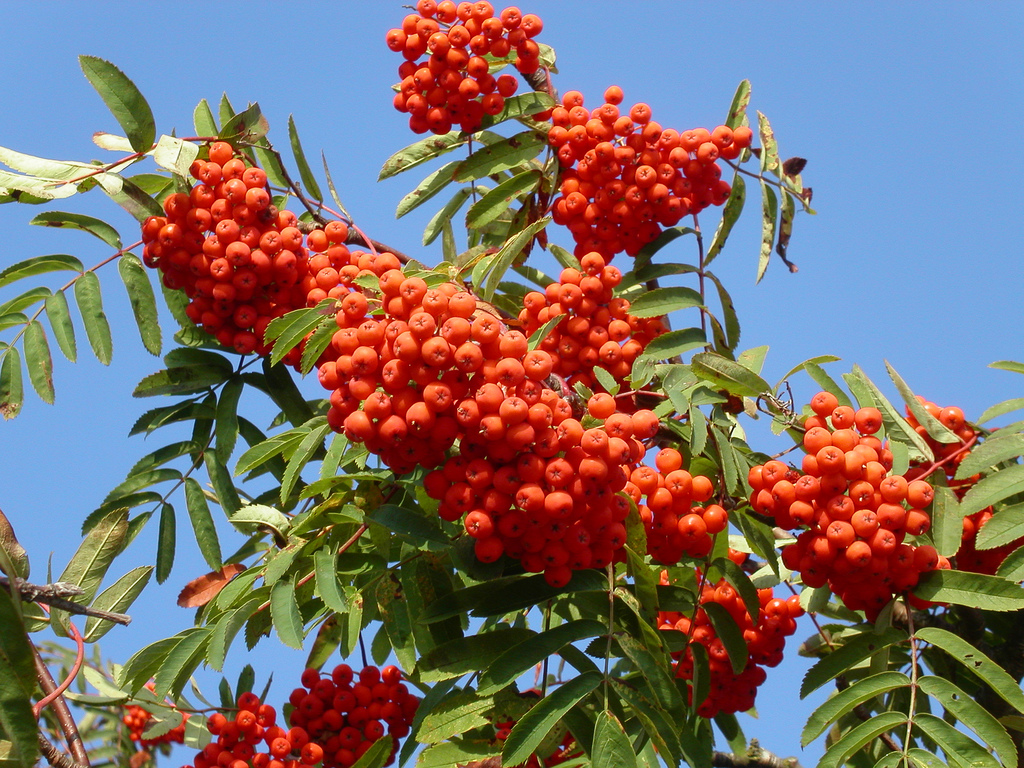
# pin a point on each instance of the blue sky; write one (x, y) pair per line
(908, 114)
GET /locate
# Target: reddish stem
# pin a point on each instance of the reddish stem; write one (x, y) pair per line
(75, 668)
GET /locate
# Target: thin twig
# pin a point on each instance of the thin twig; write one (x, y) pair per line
(55, 594)
(79, 757)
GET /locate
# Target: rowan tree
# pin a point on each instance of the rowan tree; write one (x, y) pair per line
(509, 505)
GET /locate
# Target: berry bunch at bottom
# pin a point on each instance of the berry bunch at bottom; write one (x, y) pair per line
(855, 516)
(625, 177)
(239, 260)
(454, 85)
(238, 738)
(137, 720)
(731, 691)
(343, 715)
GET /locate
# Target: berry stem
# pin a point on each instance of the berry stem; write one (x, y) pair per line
(79, 756)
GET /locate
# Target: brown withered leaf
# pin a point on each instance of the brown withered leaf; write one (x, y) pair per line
(140, 758)
(203, 589)
(794, 166)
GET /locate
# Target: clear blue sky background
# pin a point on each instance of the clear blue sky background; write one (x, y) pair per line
(908, 113)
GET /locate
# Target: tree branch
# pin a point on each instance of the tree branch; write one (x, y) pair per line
(79, 757)
(55, 596)
(754, 757)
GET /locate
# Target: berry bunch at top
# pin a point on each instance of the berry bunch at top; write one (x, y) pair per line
(240, 261)
(454, 85)
(625, 177)
(776, 620)
(855, 516)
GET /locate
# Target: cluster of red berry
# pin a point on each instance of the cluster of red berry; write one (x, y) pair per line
(765, 639)
(596, 329)
(334, 721)
(240, 261)
(674, 526)
(855, 515)
(625, 177)
(455, 85)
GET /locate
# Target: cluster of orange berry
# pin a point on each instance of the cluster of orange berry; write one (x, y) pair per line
(240, 261)
(855, 515)
(596, 329)
(454, 85)
(674, 526)
(552, 504)
(334, 721)
(625, 177)
(765, 639)
(344, 715)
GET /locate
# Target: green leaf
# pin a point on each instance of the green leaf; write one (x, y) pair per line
(957, 746)
(436, 224)
(308, 179)
(965, 709)
(977, 663)
(130, 196)
(457, 657)
(1008, 365)
(143, 301)
(844, 702)
(528, 103)
(512, 662)
(266, 450)
(947, 522)
(1004, 527)
(123, 99)
(38, 361)
(730, 215)
(611, 745)
(220, 481)
(977, 590)
(284, 610)
(117, 598)
(769, 150)
(498, 200)
(1012, 568)
(182, 660)
(310, 444)
(260, 515)
(527, 734)
(506, 255)
(936, 429)
(181, 381)
(988, 453)
(409, 523)
(732, 322)
(426, 189)
(993, 489)
(325, 566)
(175, 155)
(166, 540)
(203, 119)
(769, 213)
(454, 752)
(59, 315)
(80, 221)
(500, 156)
(420, 152)
(661, 301)
(851, 741)
(655, 671)
(1001, 409)
(225, 630)
(289, 330)
(376, 756)
(728, 374)
(12, 393)
(738, 108)
(39, 265)
(846, 657)
(247, 126)
(23, 301)
(15, 648)
(20, 749)
(454, 716)
(730, 634)
(226, 423)
(202, 523)
(90, 304)
(674, 344)
(896, 427)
